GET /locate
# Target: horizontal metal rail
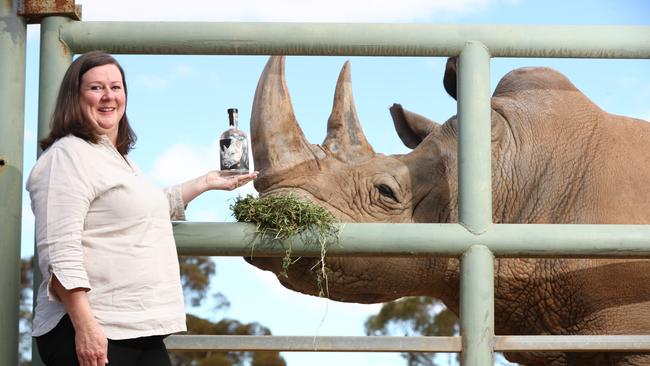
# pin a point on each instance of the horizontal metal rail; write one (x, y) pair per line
(572, 343)
(355, 39)
(504, 240)
(312, 344)
(566, 343)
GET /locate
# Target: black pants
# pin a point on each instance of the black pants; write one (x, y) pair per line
(57, 348)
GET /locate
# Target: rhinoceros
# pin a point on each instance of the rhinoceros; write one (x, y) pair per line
(556, 158)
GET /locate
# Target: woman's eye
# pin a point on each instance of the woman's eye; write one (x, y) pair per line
(116, 87)
(386, 191)
(95, 87)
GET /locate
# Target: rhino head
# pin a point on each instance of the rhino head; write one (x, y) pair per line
(347, 177)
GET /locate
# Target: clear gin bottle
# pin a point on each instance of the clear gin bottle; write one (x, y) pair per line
(233, 148)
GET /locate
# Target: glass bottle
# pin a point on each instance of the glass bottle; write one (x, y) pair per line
(233, 148)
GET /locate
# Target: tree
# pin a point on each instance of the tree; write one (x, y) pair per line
(198, 325)
(196, 273)
(418, 316)
(414, 316)
(25, 312)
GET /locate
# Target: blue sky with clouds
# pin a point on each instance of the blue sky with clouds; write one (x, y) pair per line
(177, 105)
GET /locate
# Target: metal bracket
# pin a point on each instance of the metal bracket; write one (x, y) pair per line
(35, 10)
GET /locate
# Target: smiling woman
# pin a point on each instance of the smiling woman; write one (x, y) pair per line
(111, 290)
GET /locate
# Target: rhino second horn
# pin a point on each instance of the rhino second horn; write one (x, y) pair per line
(278, 142)
(345, 138)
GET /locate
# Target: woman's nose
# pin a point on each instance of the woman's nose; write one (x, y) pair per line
(107, 94)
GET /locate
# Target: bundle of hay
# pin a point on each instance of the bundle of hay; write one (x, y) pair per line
(283, 217)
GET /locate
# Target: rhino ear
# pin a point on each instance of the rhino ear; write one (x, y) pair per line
(449, 80)
(411, 127)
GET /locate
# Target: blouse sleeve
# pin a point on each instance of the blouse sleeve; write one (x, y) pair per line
(61, 192)
(176, 206)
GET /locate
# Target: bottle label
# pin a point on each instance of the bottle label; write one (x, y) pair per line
(234, 153)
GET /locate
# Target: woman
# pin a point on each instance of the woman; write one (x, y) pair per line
(111, 288)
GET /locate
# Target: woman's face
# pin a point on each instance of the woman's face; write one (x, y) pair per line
(102, 99)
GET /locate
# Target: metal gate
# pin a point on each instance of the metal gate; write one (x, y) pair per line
(476, 240)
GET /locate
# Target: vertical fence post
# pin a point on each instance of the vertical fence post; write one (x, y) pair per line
(54, 61)
(474, 150)
(477, 306)
(13, 30)
(475, 204)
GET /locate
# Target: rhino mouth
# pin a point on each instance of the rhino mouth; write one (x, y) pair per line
(340, 215)
(280, 144)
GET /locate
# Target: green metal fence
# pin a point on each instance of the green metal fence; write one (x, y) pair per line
(476, 240)
(12, 98)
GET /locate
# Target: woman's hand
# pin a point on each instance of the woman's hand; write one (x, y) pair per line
(215, 180)
(90, 340)
(91, 345)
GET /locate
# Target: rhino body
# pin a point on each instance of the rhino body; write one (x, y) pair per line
(556, 158)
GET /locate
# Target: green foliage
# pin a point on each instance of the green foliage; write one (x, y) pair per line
(196, 274)
(197, 325)
(421, 315)
(195, 277)
(25, 311)
(414, 316)
(282, 217)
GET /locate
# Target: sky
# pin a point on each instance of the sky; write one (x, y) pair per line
(177, 106)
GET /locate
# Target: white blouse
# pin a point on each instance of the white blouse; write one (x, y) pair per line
(103, 226)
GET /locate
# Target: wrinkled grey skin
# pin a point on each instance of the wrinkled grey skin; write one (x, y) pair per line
(556, 158)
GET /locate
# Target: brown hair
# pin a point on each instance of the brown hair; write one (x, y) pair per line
(67, 117)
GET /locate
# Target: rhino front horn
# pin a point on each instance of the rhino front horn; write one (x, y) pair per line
(278, 141)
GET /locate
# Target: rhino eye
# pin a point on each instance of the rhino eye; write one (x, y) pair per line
(386, 191)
